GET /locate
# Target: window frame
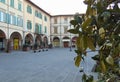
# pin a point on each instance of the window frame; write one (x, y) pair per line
(3, 1)
(19, 6)
(12, 3)
(29, 9)
(29, 24)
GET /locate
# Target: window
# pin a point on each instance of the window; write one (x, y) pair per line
(55, 20)
(55, 30)
(8, 18)
(29, 25)
(37, 30)
(19, 6)
(40, 15)
(13, 20)
(0, 15)
(29, 9)
(65, 29)
(45, 18)
(3, 1)
(3, 17)
(12, 3)
(65, 20)
(20, 21)
(36, 13)
(40, 28)
(45, 29)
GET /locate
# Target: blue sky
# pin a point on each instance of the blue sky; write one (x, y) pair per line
(56, 7)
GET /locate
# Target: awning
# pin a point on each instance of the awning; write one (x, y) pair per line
(66, 40)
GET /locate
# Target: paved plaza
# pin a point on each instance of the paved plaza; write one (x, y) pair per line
(54, 65)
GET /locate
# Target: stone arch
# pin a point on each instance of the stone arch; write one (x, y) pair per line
(38, 40)
(45, 42)
(15, 41)
(2, 40)
(66, 41)
(56, 41)
(29, 41)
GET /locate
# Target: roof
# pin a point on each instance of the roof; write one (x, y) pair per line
(65, 15)
(38, 7)
(47, 12)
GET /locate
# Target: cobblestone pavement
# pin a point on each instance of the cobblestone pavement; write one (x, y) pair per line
(54, 65)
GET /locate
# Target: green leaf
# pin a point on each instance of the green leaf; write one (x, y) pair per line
(78, 52)
(88, 10)
(103, 67)
(86, 23)
(78, 41)
(74, 31)
(84, 77)
(77, 61)
(79, 20)
(90, 78)
(81, 43)
(102, 33)
(110, 60)
(96, 57)
(90, 43)
(73, 22)
(85, 44)
(89, 29)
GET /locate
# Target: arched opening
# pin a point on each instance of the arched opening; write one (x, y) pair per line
(2, 40)
(38, 40)
(74, 41)
(29, 40)
(16, 41)
(56, 42)
(45, 42)
(66, 42)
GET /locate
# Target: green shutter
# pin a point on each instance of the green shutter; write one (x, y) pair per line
(12, 3)
(3, 1)
(29, 9)
(45, 29)
(0, 15)
(8, 18)
(21, 22)
(19, 7)
(45, 18)
(14, 20)
(40, 28)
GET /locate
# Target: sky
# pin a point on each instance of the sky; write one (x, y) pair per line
(61, 7)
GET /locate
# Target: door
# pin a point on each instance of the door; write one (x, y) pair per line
(66, 44)
(16, 44)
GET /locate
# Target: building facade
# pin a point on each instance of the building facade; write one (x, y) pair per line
(11, 24)
(37, 25)
(23, 23)
(59, 35)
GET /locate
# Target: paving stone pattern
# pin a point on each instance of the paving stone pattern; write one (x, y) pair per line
(54, 65)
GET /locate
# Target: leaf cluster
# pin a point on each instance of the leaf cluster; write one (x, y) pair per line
(100, 27)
